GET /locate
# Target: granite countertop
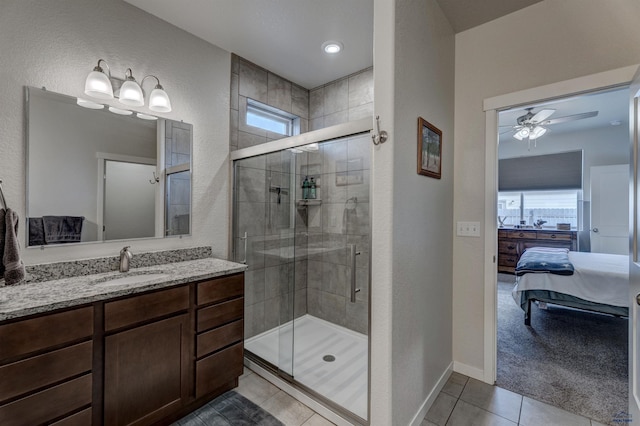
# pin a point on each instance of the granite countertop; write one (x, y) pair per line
(33, 298)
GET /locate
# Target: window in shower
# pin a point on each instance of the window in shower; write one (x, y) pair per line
(272, 119)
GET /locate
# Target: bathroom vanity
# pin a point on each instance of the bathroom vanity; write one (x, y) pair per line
(142, 349)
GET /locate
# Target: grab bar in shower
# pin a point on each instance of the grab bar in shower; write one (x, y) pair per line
(353, 253)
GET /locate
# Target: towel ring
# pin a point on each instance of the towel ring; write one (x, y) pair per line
(4, 201)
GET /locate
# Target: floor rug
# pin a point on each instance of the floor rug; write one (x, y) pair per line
(569, 358)
(229, 409)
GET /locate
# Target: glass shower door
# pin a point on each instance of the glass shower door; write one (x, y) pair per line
(263, 238)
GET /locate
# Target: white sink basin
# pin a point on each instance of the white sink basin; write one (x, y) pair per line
(130, 278)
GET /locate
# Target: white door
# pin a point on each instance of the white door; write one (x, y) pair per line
(634, 259)
(129, 200)
(610, 209)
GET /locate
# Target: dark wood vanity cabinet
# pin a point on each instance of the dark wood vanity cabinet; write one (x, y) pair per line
(146, 370)
(46, 367)
(146, 359)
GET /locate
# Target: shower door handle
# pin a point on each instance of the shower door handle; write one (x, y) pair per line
(244, 260)
(353, 253)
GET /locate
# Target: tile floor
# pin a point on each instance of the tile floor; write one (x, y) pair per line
(462, 402)
(465, 401)
(281, 405)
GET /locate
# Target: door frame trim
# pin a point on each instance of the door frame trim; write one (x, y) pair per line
(601, 81)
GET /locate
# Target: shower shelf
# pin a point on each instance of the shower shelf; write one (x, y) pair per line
(309, 202)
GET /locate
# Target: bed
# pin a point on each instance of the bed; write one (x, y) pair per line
(599, 283)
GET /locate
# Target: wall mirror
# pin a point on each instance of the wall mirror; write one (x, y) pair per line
(96, 175)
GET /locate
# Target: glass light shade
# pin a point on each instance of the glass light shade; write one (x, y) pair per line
(159, 101)
(131, 93)
(98, 85)
(88, 104)
(523, 133)
(120, 111)
(537, 132)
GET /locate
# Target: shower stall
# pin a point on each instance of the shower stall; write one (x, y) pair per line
(307, 251)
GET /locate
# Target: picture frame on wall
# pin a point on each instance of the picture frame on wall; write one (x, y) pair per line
(429, 149)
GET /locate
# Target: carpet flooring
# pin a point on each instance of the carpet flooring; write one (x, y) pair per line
(572, 359)
(229, 409)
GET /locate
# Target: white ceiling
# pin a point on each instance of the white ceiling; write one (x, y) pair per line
(611, 106)
(286, 36)
(283, 36)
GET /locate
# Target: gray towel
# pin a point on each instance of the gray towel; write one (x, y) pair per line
(36, 232)
(13, 266)
(350, 220)
(62, 229)
(2, 236)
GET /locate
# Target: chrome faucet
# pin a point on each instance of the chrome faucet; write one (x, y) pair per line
(125, 258)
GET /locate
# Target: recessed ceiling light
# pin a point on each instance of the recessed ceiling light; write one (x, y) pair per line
(615, 122)
(332, 47)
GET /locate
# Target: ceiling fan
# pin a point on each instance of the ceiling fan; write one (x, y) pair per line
(531, 126)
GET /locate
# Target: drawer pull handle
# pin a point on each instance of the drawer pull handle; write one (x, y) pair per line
(521, 234)
(511, 247)
(553, 235)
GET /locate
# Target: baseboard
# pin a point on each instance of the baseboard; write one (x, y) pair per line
(468, 370)
(417, 419)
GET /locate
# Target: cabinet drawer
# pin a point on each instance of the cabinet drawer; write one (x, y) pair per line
(507, 260)
(23, 337)
(220, 289)
(39, 371)
(137, 309)
(508, 247)
(222, 313)
(81, 418)
(215, 370)
(550, 235)
(522, 234)
(48, 404)
(546, 243)
(220, 337)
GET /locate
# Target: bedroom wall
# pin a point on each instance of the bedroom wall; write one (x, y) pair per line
(56, 44)
(412, 218)
(568, 39)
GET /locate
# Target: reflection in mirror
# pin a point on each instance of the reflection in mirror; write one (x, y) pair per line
(95, 175)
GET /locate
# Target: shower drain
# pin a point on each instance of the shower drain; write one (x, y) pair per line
(329, 358)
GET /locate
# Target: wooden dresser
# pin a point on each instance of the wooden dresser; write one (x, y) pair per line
(512, 243)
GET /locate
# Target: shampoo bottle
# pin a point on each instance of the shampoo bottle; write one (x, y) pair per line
(305, 188)
(312, 189)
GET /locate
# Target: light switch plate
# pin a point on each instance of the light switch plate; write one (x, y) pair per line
(468, 229)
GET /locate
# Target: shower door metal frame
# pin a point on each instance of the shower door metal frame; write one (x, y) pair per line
(338, 131)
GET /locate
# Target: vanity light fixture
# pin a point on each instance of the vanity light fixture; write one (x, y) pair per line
(332, 47)
(100, 85)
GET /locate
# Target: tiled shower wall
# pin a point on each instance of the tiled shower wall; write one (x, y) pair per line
(270, 278)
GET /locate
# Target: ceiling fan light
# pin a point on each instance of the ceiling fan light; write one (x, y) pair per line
(537, 132)
(522, 133)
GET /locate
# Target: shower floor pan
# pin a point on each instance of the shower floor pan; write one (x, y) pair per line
(327, 358)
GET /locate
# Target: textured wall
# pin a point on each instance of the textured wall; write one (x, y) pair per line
(56, 44)
(585, 41)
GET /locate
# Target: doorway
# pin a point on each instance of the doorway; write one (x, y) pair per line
(553, 92)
